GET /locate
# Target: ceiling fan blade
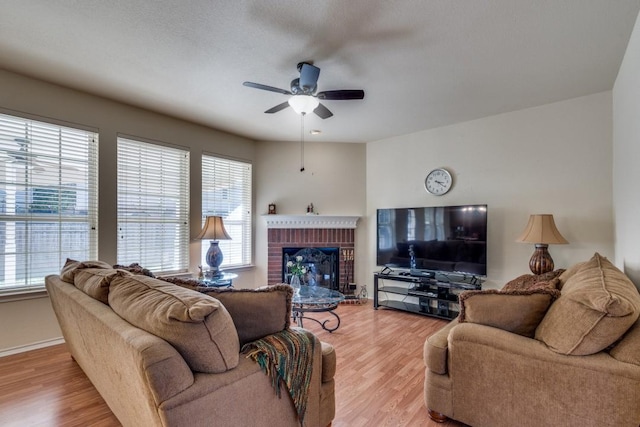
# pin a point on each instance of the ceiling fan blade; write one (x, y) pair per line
(322, 112)
(341, 95)
(277, 108)
(309, 77)
(265, 87)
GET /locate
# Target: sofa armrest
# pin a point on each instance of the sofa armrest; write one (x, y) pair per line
(435, 349)
(245, 396)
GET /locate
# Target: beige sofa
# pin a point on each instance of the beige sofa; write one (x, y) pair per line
(188, 371)
(533, 356)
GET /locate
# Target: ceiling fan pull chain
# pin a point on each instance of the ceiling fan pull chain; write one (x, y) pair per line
(302, 142)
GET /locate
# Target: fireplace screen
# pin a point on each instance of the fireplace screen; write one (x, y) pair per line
(322, 266)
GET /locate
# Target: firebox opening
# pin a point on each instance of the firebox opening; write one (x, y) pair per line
(322, 266)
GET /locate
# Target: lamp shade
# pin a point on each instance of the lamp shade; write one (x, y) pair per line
(213, 229)
(541, 229)
(303, 104)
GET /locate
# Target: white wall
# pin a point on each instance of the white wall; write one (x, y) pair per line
(550, 159)
(626, 155)
(26, 322)
(333, 180)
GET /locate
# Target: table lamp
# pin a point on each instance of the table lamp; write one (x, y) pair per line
(541, 230)
(214, 230)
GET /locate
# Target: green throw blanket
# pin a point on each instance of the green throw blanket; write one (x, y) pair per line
(287, 357)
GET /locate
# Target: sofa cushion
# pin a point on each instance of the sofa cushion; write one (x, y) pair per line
(197, 325)
(569, 272)
(256, 313)
(518, 311)
(95, 281)
(70, 267)
(597, 306)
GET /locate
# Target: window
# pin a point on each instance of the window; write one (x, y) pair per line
(153, 206)
(48, 200)
(226, 192)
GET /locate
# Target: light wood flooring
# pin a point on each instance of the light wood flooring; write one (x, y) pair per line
(379, 380)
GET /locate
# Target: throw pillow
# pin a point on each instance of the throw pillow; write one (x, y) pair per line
(532, 281)
(256, 313)
(197, 325)
(71, 266)
(597, 306)
(135, 268)
(568, 273)
(518, 311)
(95, 281)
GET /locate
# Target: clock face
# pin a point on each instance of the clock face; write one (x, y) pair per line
(438, 182)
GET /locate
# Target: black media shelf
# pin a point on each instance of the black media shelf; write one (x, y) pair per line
(429, 296)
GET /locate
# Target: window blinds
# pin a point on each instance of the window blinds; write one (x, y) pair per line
(153, 206)
(48, 200)
(226, 192)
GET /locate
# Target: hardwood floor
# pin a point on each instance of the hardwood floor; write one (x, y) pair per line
(379, 380)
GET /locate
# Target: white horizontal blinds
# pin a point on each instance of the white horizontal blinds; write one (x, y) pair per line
(48, 200)
(226, 192)
(153, 206)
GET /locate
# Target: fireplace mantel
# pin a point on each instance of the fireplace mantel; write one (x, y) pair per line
(311, 221)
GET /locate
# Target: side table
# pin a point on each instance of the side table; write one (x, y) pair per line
(221, 281)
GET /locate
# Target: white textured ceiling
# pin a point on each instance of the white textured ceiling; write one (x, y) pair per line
(422, 63)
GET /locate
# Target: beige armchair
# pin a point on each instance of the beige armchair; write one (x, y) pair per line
(579, 365)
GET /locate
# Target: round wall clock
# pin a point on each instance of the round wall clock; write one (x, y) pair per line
(438, 182)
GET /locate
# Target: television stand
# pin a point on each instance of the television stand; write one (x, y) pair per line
(433, 295)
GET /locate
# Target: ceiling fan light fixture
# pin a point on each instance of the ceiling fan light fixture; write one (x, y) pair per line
(303, 104)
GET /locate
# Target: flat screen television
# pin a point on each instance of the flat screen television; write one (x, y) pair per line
(443, 238)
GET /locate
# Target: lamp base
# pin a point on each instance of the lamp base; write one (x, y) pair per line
(214, 259)
(541, 261)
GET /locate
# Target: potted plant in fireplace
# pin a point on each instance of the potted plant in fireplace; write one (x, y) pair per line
(296, 270)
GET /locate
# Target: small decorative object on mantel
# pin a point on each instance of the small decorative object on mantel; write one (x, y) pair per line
(541, 230)
(311, 209)
(272, 208)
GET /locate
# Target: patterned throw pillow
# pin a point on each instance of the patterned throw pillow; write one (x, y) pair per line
(134, 268)
(531, 281)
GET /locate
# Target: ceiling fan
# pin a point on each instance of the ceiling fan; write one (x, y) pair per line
(304, 98)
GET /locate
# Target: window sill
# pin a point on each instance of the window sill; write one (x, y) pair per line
(23, 294)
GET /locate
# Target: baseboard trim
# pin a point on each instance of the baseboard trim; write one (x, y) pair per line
(32, 346)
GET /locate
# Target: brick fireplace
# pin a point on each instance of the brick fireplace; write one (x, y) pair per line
(311, 231)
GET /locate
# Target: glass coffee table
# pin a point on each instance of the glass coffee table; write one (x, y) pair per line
(314, 299)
